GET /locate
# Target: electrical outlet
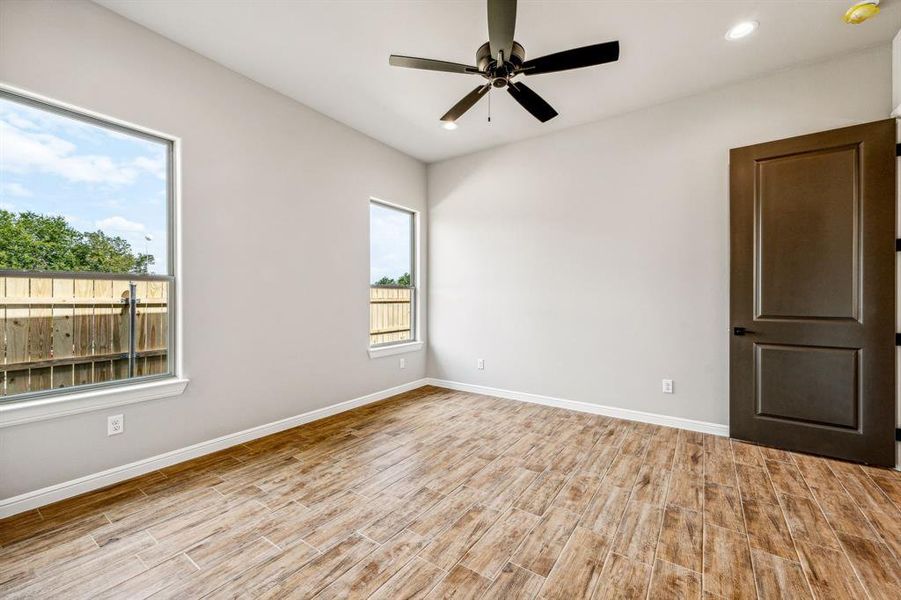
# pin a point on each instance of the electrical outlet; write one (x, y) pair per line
(667, 386)
(403, 363)
(115, 424)
(480, 364)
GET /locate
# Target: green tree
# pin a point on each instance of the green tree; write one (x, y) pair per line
(35, 242)
(403, 280)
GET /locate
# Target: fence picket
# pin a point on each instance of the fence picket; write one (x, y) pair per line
(104, 307)
(2, 337)
(62, 331)
(58, 332)
(16, 331)
(390, 315)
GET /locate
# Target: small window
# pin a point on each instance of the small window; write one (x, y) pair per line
(392, 276)
(86, 251)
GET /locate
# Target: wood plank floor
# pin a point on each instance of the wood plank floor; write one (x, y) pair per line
(439, 494)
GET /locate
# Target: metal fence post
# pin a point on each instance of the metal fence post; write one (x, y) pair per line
(132, 326)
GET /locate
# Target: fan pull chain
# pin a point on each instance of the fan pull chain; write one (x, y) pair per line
(489, 106)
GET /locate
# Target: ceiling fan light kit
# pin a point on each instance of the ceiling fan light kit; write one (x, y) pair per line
(501, 59)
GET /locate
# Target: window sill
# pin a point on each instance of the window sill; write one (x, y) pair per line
(395, 349)
(54, 407)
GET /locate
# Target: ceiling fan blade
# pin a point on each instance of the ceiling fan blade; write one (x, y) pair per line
(412, 62)
(576, 58)
(531, 101)
(501, 24)
(466, 103)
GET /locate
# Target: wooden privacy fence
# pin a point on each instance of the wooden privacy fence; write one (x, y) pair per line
(390, 314)
(57, 332)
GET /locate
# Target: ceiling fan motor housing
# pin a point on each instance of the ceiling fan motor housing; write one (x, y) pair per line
(499, 74)
(499, 69)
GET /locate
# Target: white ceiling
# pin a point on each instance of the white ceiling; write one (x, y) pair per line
(333, 55)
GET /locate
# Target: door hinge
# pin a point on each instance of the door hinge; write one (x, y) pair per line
(898, 434)
(897, 149)
(898, 245)
(898, 339)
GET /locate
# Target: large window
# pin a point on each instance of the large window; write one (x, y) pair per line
(86, 252)
(392, 276)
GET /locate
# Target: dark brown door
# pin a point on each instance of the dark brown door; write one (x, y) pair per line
(812, 355)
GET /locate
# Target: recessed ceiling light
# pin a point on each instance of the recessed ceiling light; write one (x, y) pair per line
(743, 29)
(448, 125)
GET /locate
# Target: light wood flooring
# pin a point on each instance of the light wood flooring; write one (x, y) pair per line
(442, 494)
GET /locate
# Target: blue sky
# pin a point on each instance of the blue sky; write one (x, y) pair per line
(97, 178)
(389, 242)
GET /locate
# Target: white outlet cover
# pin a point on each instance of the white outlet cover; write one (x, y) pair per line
(667, 386)
(115, 424)
(403, 363)
(480, 363)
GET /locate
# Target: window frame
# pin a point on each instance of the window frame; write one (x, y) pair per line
(46, 404)
(414, 343)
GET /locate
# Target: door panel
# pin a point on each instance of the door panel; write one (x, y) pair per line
(785, 391)
(808, 242)
(813, 287)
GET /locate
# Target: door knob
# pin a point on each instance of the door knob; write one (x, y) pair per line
(740, 331)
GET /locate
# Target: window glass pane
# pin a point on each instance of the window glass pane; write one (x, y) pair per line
(391, 277)
(390, 238)
(76, 196)
(87, 205)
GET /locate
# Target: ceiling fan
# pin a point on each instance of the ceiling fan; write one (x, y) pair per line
(501, 59)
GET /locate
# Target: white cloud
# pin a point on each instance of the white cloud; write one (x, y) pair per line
(120, 224)
(108, 203)
(18, 121)
(37, 141)
(24, 151)
(389, 234)
(7, 206)
(75, 221)
(154, 166)
(14, 189)
(27, 117)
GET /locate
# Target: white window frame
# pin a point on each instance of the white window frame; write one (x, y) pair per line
(52, 404)
(416, 344)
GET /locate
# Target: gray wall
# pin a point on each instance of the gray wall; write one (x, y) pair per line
(592, 263)
(538, 263)
(275, 224)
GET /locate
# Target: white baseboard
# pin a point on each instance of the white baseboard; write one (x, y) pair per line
(61, 491)
(587, 407)
(596, 409)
